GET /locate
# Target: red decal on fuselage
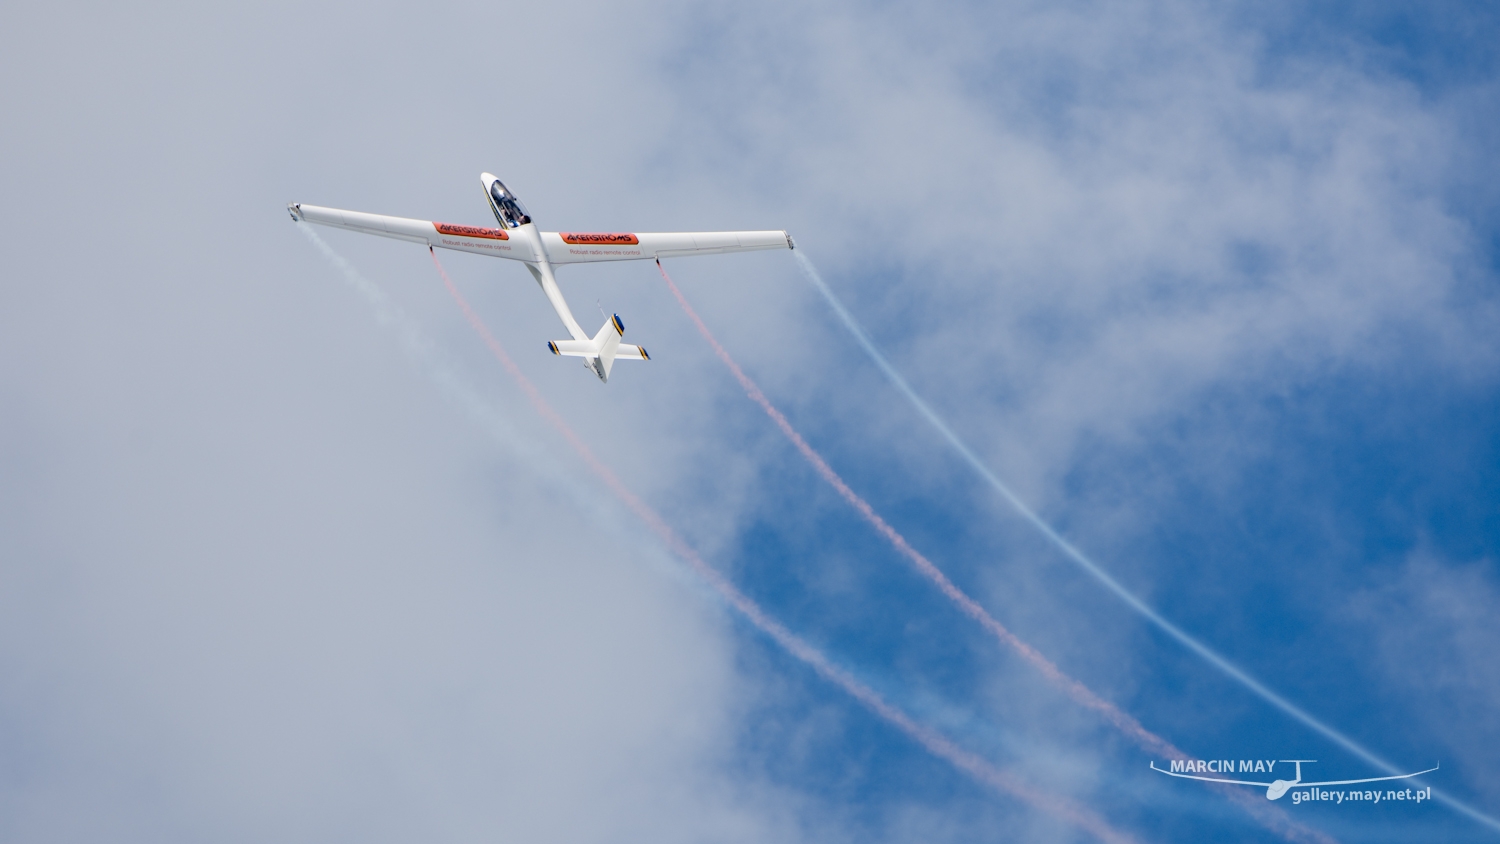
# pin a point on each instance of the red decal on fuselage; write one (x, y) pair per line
(575, 237)
(471, 231)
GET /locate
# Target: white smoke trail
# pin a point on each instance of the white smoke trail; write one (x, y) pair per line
(430, 358)
(1184, 638)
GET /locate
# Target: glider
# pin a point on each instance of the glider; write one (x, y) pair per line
(518, 239)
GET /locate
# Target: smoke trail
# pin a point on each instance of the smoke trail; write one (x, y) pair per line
(1081, 694)
(416, 344)
(930, 739)
(431, 360)
(386, 312)
(1070, 551)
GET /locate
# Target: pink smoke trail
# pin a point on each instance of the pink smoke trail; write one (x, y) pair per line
(931, 740)
(1081, 694)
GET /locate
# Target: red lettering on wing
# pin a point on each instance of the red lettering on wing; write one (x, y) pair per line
(471, 231)
(604, 238)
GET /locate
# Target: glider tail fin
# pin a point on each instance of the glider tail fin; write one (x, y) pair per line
(600, 353)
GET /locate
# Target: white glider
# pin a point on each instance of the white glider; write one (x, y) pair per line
(518, 239)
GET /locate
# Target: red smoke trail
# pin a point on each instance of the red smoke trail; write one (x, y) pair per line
(1081, 694)
(934, 742)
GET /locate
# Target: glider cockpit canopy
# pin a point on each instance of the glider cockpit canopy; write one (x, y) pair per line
(508, 210)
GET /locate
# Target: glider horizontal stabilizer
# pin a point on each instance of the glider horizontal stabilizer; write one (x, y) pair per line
(601, 352)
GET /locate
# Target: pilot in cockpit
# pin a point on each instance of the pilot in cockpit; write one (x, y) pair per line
(508, 209)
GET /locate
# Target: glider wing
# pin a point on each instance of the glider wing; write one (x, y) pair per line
(585, 247)
(477, 239)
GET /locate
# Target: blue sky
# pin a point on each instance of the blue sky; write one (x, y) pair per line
(1211, 287)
